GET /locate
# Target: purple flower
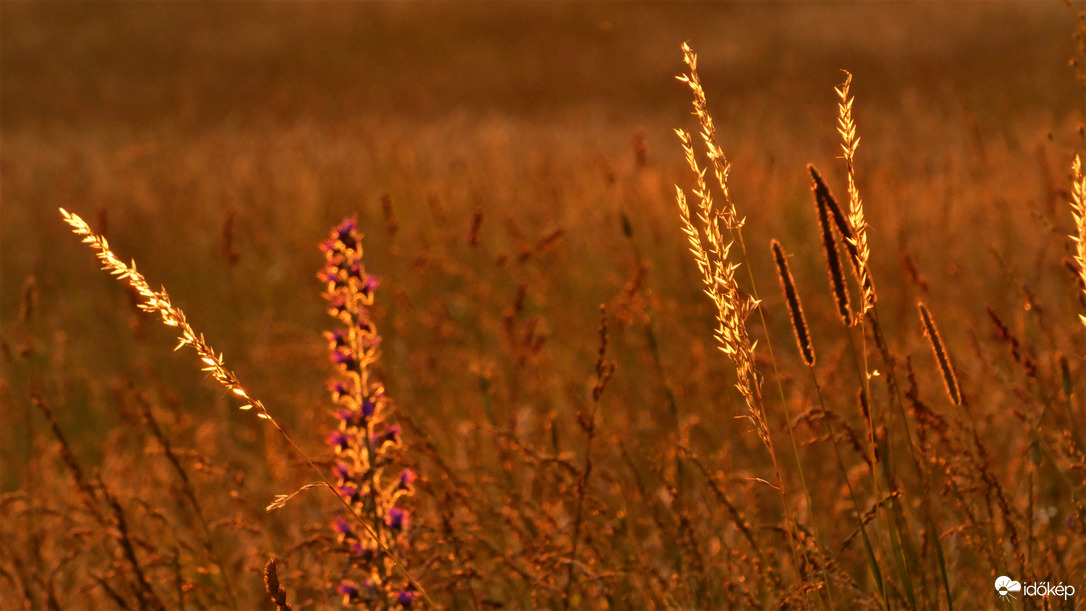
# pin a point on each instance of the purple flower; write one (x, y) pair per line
(346, 234)
(338, 440)
(337, 305)
(348, 491)
(407, 477)
(342, 471)
(348, 590)
(390, 435)
(352, 417)
(338, 389)
(354, 269)
(368, 407)
(370, 285)
(330, 275)
(365, 444)
(342, 526)
(405, 598)
(345, 358)
(337, 338)
(397, 518)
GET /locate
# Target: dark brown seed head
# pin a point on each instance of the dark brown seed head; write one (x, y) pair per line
(950, 379)
(795, 308)
(829, 248)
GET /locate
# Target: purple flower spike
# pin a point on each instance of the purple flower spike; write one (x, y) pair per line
(366, 442)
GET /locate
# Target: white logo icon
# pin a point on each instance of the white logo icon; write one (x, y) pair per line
(1005, 585)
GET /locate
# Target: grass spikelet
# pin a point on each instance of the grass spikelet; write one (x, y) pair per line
(795, 308)
(950, 379)
(719, 161)
(1078, 210)
(158, 302)
(829, 247)
(846, 126)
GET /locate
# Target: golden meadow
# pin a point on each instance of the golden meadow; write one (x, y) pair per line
(523, 376)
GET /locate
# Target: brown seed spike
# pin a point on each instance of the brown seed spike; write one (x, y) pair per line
(795, 308)
(829, 248)
(950, 379)
(839, 218)
(275, 590)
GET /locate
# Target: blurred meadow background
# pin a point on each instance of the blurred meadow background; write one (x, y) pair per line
(512, 165)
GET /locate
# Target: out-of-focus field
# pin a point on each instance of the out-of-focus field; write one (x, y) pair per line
(216, 144)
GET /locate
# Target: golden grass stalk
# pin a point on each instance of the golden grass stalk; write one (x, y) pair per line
(847, 128)
(795, 307)
(950, 379)
(158, 302)
(710, 252)
(1078, 210)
